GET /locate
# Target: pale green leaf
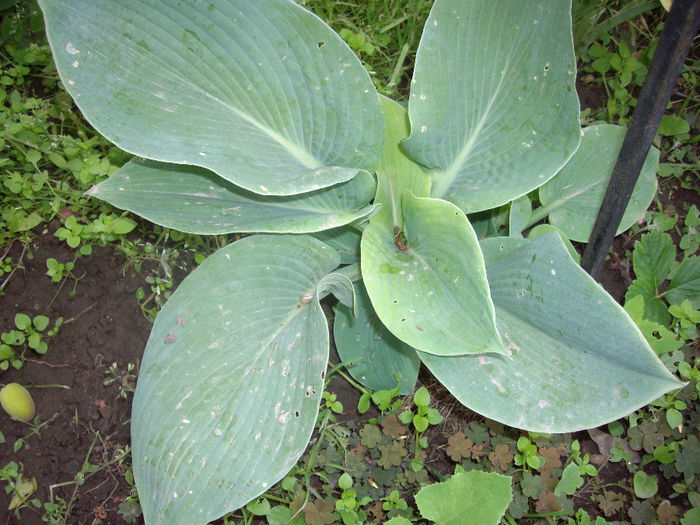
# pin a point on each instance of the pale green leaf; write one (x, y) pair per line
(574, 196)
(396, 173)
(645, 486)
(493, 106)
(652, 259)
(231, 379)
(467, 498)
(660, 338)
(575, 360)
(264, 94)
(673, 125)
(398, 520)
(433, 294)
(377, 356)
(571, 480)
(685, 283)
(196, 200)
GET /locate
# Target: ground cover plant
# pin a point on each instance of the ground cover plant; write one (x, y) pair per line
(343, 478)
(246, 137)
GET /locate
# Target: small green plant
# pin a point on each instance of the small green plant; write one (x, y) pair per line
(152, 303)
(104, 229)
(348, 506)
(125, 379)
(59, 509)
(36, 425)
(29, 333)
(58, 270)
(620, 70)
(130, 508)
(582, 462)
(526, 456)
(20, 487)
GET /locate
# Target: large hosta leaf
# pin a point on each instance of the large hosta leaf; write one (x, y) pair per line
(427, 282)
(196, 200)
(262, 93)
(575, 358)
(493, 107)
(377, 356)
(231, 380)
(574, 196)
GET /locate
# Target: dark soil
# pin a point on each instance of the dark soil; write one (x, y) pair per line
(103, 324)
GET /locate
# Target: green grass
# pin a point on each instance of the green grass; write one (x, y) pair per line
(384, 33)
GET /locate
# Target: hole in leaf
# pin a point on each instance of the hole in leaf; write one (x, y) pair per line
(321, 44)
(296, 413)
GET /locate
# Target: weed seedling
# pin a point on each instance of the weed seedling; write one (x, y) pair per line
(125, 379)
(61, 509)
(526, 456)
(422, 418)
(29, 333)
(36, 426)
(20, 486)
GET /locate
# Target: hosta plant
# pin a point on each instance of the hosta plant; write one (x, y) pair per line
(256, 117)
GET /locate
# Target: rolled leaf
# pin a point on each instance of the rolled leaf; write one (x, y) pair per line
(264, 94)
(231, 380)
(427, 282)
(196, 200)
(493, 106)
(575, 360)
(397, 172)
(376, 356)
(574, 196)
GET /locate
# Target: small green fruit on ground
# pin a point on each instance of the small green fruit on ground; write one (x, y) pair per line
(17, 401)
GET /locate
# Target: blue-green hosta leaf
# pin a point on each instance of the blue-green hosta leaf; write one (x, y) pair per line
(575, 194)
(493, 106)
(396, 173)
(231, 380)
(378, 355)
(427, 282)
(491, 223)
(345, 240)
(520, 211)
(262, 93)
(196, 200)
(544, 229)
(575, 358)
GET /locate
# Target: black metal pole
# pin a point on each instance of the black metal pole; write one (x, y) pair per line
(674, 44)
